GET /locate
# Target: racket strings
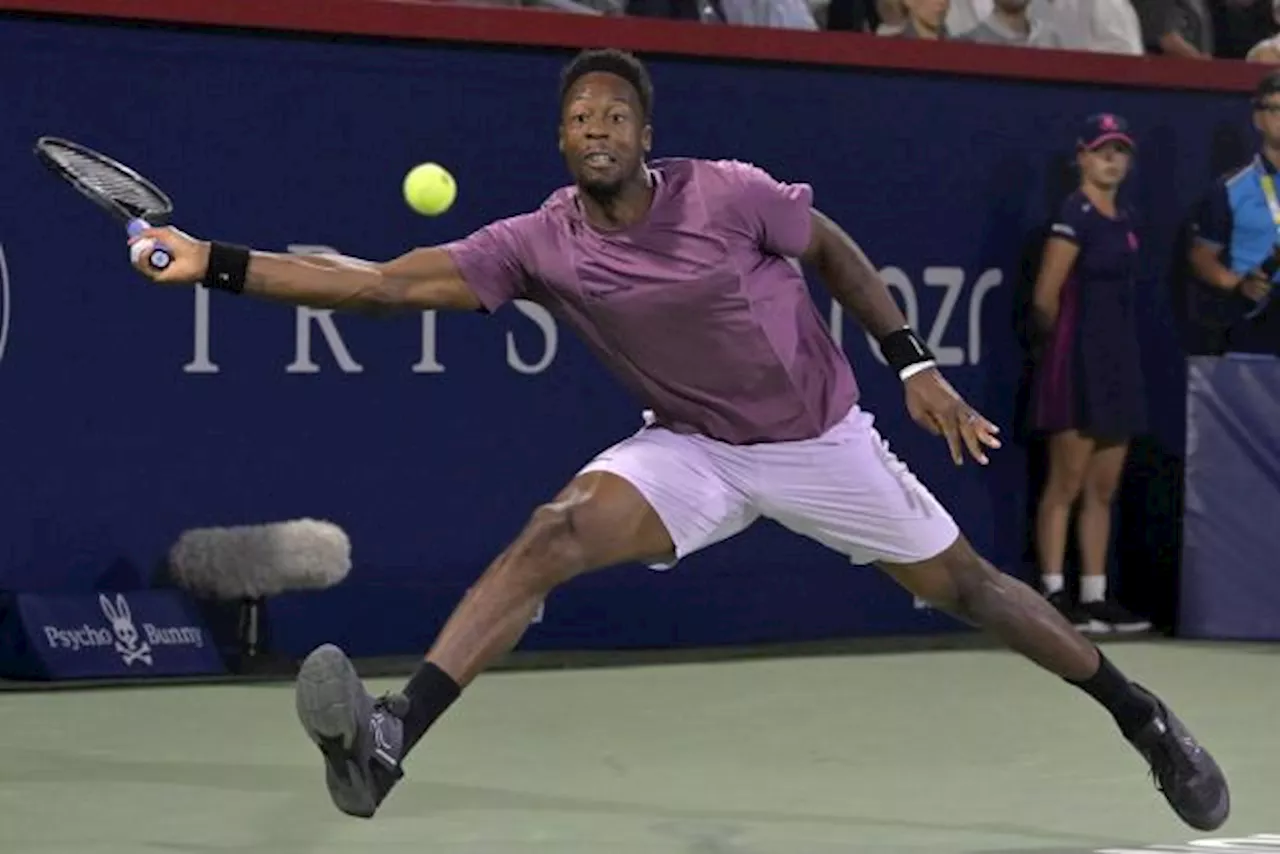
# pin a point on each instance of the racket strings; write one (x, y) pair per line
(111, 183)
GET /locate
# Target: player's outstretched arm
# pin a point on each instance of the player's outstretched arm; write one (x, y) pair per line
(852, 279)
(421, 279)
(856, 285)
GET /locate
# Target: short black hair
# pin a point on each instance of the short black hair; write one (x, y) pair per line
(1269, 85)
(611, 61)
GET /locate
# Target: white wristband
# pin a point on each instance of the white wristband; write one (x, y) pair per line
(911, 370)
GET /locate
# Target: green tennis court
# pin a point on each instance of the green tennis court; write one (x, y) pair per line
(946, 751)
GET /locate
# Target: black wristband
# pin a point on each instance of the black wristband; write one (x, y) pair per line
(228, 266)
(904, 350)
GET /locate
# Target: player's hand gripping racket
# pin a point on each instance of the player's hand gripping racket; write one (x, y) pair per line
(120, 191)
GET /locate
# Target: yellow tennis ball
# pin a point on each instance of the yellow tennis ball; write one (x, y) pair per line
(429, 189)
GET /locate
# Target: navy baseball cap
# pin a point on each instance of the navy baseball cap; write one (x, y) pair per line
(1102, 128)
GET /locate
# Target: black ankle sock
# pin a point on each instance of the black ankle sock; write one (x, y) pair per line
(431, 691)
(1131, 707)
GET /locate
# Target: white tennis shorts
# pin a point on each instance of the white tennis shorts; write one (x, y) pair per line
(844, 489)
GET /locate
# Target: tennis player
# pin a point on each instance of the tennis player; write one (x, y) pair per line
(681, 275)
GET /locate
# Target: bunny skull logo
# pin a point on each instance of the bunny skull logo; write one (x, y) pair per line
(127, 638)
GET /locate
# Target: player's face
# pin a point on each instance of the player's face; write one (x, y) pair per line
(1266, 118)
(603, 135)
(1107, 165)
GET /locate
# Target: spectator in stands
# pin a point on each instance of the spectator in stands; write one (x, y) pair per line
(685, 10)
(882, 17)
(1267, 47)
(965, 15)
(1267, 51)
(1238, 25)
(783, 14)
(1098, 26)
(892, 15)
(1009, 24)
(580, 7)
(1177, 27)
(1089, 395)
(605, 7)
(926, 19)
(1238, 226)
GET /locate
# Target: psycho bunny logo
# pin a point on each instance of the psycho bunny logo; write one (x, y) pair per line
(125, 631)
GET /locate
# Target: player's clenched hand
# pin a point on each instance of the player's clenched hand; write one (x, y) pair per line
(190, 256)
(936, 406)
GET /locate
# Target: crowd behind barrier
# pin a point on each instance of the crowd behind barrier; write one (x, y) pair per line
(1186, 29)
(133, 414)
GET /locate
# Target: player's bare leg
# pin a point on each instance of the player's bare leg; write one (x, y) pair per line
(598, 520)
(962, 583)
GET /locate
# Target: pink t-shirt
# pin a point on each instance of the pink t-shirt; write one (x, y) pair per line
(697, 310)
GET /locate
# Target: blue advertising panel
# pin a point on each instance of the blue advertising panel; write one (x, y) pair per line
(1229, 585)
(140, 634)
(130, 412)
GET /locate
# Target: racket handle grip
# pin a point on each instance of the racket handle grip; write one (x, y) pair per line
(159, 257)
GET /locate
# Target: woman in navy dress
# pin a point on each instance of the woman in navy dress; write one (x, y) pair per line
(1089, 397)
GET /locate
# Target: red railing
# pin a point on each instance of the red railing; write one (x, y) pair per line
(406, 19)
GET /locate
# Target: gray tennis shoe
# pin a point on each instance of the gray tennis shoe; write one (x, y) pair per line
(360, 737)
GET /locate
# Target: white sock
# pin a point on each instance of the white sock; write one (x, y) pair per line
(1052, 582)
(1093, 588)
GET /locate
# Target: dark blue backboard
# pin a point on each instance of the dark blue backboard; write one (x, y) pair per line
(128, 413)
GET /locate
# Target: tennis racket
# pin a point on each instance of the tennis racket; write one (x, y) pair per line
(120, 191)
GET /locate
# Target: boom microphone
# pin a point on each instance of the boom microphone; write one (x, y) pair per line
(255, 561)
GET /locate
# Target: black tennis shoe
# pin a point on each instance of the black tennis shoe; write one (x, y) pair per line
(1184, 772)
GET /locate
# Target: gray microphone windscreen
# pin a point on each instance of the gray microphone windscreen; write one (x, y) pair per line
(261, 560)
